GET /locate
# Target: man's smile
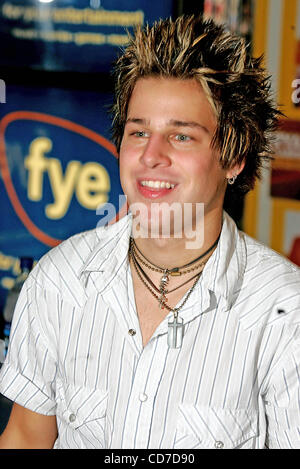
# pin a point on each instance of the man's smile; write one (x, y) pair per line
(154, 188)
(158, 184)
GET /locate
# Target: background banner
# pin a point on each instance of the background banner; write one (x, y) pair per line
(73, 35)
(57, 166)
(56, 159)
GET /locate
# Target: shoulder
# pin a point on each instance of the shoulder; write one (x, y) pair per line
(270, 289)
(60, 268)
(71, 253)
(262, 258)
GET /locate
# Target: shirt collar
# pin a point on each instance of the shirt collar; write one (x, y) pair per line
(223, 271)
(110, 252)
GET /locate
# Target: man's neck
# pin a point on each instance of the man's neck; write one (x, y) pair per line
(172, 252)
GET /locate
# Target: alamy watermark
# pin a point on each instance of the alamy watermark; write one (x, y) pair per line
(2, 91)
(296, 93)
(161, 220)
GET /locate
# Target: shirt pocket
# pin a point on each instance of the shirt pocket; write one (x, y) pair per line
(215, 428)
(81, 415)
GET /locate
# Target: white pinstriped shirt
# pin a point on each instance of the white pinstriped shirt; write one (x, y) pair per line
(234, 383)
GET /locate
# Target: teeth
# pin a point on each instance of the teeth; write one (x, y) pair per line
(158, 184)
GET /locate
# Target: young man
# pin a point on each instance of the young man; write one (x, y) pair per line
(125, 337)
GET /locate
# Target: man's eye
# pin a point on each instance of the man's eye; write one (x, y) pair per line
(182, 138)
(140, 133)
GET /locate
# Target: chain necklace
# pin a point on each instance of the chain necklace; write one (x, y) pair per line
(173, 272)
(175, 327)
(148, 282)
(177, 271)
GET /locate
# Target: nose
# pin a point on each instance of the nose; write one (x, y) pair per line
(155, 152)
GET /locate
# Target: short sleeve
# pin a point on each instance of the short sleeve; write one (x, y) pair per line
(28, 374)
(282, 400)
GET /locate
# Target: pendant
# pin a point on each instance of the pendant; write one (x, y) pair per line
(162, 300)
(162, 288)
(164, 281)
(175, 272)
(175, 332)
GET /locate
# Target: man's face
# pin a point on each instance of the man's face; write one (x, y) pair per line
(166, 153)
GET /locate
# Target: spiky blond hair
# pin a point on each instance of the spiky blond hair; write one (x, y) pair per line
(235, 84)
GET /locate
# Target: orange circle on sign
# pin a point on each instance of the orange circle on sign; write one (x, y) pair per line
(11, 192)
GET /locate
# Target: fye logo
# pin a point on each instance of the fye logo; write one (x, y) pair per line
(69, 171)
(2, 91)
(90, 182)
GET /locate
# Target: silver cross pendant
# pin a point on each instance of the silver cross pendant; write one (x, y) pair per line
(175, 332)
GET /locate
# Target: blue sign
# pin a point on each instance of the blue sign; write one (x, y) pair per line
(58, 166)
(74, 35)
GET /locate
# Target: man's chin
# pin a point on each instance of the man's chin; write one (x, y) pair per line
(175, 221)
(155, 228)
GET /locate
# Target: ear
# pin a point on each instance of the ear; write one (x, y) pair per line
(235, 170)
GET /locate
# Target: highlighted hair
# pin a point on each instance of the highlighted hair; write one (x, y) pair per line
(235, 84)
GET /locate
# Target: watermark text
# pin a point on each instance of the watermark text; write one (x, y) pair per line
(296, 93)
(2, 91)
(161, 220)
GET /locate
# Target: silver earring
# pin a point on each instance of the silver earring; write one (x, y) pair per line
(231, 180)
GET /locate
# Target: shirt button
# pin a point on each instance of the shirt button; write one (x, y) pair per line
(143, 397)
(219, 444)
(131, 332)
(72, 418)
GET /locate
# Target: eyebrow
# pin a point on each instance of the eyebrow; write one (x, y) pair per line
(178, 123)
(135, 120)
(173, 122)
